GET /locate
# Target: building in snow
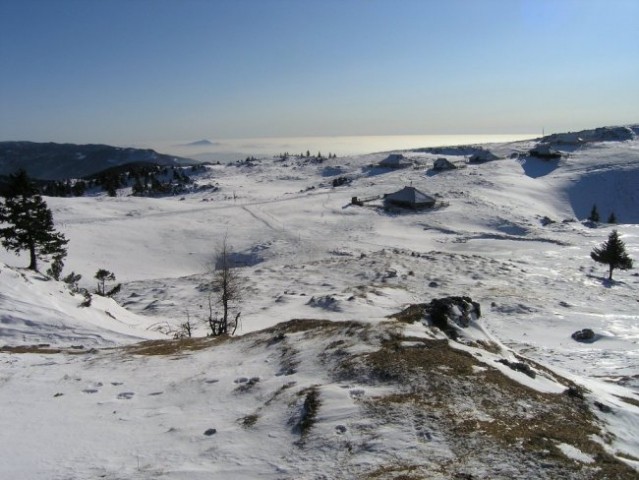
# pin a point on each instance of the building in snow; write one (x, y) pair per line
(395, 161)
(482, 156)
(544, 151)
(409, 197)
(442, 164)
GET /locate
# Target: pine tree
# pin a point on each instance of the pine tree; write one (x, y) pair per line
(594, 214)
(612, 218)
(28, 222)
(612, 253)
(103, 276)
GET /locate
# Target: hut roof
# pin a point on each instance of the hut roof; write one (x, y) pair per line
(410, 196)
(395, 160)
(481, 156)
(443, 164)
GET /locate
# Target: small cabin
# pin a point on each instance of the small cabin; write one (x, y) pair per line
(442, 164)
(409, 197)
(395, 161)
(482, 156)
(544, 151)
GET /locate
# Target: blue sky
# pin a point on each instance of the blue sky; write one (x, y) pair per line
(127, 71)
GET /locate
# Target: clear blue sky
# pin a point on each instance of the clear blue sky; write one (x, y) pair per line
(127, 71)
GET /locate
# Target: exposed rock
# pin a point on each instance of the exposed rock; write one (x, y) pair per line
(327, 302)
(444, 313)
(460, 310)
(339, 181)
(586, 335)
(575, 392)
(603, 408)
(210, 431)
(519, 367)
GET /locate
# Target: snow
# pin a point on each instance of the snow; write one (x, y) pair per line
(575, 453)
(310, 254)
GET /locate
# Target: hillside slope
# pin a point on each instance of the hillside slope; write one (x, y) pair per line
(377, 398)
(39, 311)
(60, 161)
(305, 399)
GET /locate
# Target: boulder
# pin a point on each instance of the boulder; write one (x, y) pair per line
(444, 313)
(586, 335)
(458, 310)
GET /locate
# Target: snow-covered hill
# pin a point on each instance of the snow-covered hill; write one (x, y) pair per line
(507, 232)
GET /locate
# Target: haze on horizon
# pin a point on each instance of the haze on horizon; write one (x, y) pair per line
(124, 72)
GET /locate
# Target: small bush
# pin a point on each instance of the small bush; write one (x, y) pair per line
(309, 411)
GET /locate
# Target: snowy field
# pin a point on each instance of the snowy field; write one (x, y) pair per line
(81, 406)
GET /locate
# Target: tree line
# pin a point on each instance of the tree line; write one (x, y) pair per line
(144, 180)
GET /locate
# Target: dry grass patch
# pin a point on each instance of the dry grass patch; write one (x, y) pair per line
(411, 314)
(249, 420)
(628, 400)
(483, 408)
(396, 472)
(30, 349)
(394, 363)
(172, 347)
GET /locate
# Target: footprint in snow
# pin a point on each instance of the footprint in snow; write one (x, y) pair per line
(90, 390)
(125, 395)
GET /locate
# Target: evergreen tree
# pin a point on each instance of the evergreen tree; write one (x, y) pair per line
(28, 222)
(612, 218)
(594, 214)
(55, 269)
(612, 253)
(79, 188)
(103, 276)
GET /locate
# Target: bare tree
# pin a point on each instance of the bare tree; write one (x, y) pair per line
(225, 292)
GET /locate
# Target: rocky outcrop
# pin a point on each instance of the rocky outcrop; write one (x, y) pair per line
(445, 313)
(586, 335)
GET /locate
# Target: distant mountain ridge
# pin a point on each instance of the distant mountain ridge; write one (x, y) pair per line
(200, 143)
(59, 161)
(601, 134)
